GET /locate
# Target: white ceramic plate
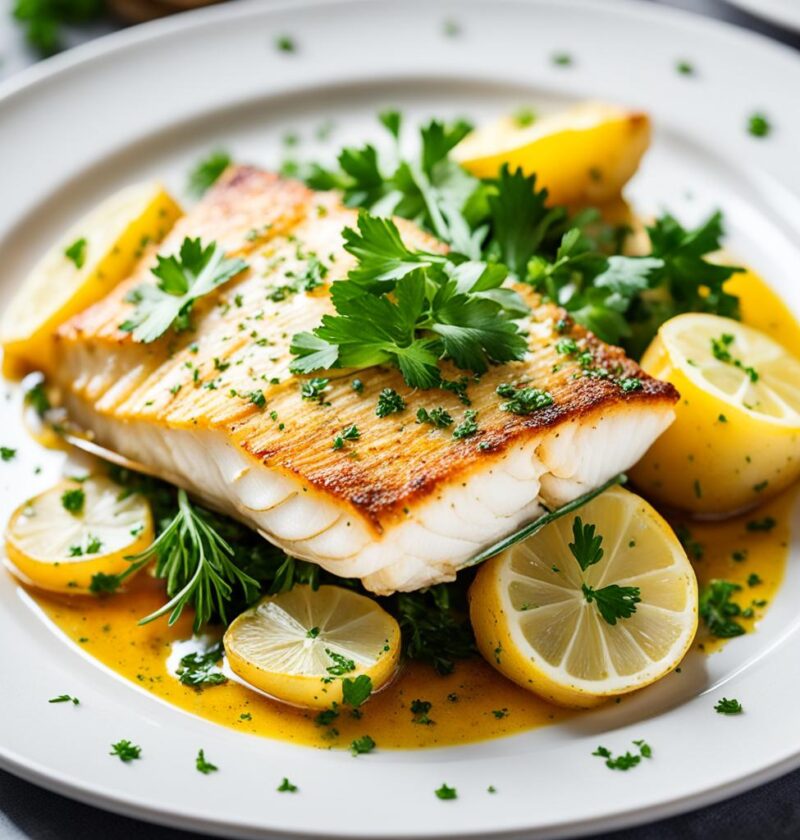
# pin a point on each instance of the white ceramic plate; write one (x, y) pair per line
(782, 12)
(149, 102)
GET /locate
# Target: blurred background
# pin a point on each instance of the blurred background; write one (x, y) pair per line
(31, 30)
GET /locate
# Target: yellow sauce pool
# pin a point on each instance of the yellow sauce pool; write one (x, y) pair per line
(472, 704)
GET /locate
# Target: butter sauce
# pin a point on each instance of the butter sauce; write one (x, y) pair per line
(472, 704)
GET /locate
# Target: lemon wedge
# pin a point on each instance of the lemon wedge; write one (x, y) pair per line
(736, 437)
(585, 154)
(544, 621)
(298, 646)
(81, 268)
(60, 539)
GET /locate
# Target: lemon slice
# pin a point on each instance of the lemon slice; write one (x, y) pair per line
(81, 268)
(60, 539)
(535, 622)
(585, 154)
(736, 437)
(299, 645)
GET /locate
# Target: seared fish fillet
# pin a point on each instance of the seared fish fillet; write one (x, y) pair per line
(406, 504)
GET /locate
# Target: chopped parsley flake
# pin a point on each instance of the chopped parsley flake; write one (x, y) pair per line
(524, 117)
(204, 766)
(76, 252)
(438, 417)
(685, 68)
(446, 792)
(7, 454)
(561, 59)
(126, 751)
(720, 348)
(759, 125)
(419, 710)
(73, 500)
(199, 669)
(389, 402)
(523, 400)
(314, 389)
(286, 786)
(765, 524)
(65, 698)
(728, 707)
(718, 610)
(341, 664)
(286, 44)
(627, 760)
(257, 398)
(468, 426)
(362, 745)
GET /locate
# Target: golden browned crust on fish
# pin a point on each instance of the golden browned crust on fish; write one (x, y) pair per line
(240, 347)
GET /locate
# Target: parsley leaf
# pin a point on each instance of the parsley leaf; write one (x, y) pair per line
(182, 279)
(520, 219)
(613, 601)
(412, 308)
(586, 546)
(206, 171)
(7, 454)
(356, 691)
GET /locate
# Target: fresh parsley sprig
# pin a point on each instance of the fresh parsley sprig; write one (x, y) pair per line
(412, 309)
(613, 602)
(183, 278)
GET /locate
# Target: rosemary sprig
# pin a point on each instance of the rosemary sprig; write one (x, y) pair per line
(197, 564)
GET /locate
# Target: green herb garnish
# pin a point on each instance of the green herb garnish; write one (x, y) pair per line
(203, 766)
(76, 252)
(718, 610)
(728, 707)
(73, 500)
(126, 751)
(446, 792)
(196, 271)
(206, 172)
